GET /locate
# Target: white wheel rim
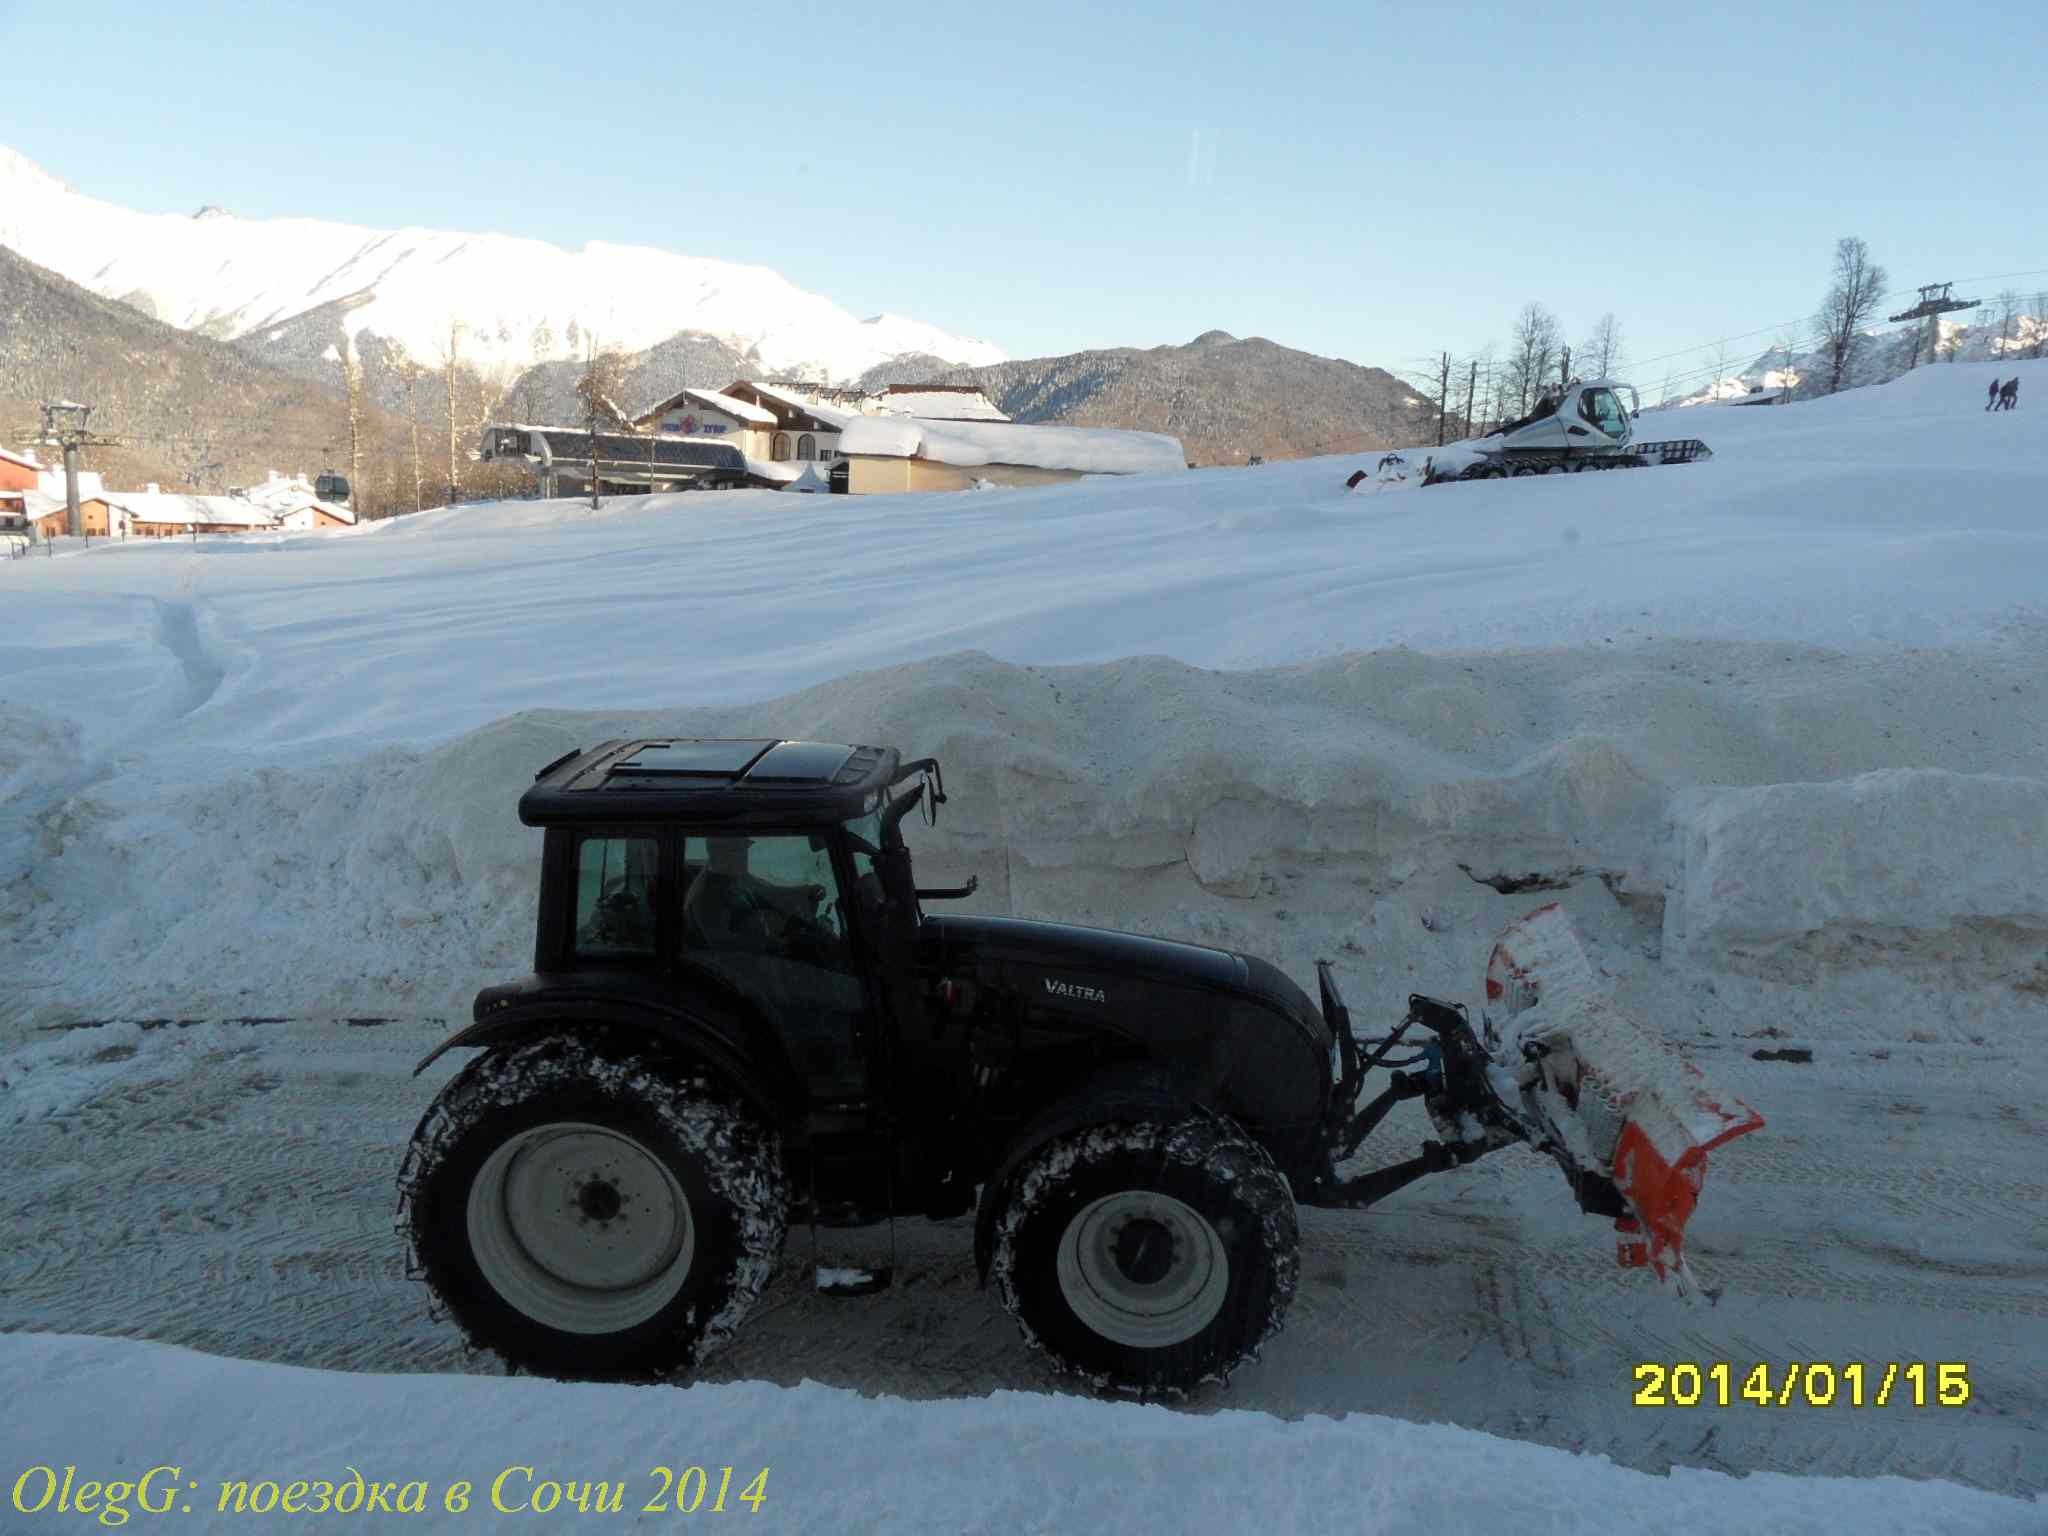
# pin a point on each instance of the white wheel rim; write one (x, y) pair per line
(581, 1228)
(1120, 1284)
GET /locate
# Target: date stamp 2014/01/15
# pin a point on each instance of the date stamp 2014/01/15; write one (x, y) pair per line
(1815, 1384)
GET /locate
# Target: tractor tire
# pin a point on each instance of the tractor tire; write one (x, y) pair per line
(1148, 1259)
(588, 1210)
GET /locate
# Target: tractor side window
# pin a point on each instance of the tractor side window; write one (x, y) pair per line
(615, 897)
(767, 917)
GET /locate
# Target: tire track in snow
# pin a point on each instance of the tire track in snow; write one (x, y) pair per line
(178, 632)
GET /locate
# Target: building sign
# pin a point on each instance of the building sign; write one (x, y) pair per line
(691, 426)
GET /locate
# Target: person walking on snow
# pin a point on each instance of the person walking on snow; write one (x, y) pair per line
(1994, 396)
(2009, 393)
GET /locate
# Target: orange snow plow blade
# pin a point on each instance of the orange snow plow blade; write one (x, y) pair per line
(1614, 1100)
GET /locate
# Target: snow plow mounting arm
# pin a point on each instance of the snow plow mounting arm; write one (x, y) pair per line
(1628, 1120)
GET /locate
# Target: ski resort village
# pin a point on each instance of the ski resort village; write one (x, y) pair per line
(632, 896)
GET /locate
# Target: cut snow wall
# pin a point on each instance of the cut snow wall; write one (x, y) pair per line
(1138, 793)
(1884, 852)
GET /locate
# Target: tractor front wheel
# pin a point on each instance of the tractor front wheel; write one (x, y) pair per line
(1148, 1258)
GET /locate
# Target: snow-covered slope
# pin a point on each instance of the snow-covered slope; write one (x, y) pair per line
(520, 301)
(1879, 356)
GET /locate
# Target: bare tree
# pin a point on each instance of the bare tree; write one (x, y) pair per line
(352, 393)
(407, 367)
(487, 401)
(604, 373)
(1852, 298)
(2008, 319)
(1601, 352)
(1788, 372)
(451, 366)
(1534, 349)
(1479, 404)
(2040, 346)
(1720, 370)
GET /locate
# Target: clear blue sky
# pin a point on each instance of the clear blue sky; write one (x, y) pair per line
(1370, 182)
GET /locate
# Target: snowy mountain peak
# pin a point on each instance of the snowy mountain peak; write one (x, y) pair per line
(292, 287)
(18, 172)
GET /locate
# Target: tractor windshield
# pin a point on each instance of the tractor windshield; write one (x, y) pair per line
(1603, 410)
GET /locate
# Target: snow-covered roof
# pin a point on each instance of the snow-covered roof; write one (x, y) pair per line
(25, 460)
(164, 507)
(768, 469)
(832, 415)
(711, 399)
(1090, 450)
(315, 504)
(41, 504)
(280, 493)
(963, 404)
(89, 483)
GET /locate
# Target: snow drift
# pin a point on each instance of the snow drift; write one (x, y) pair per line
(840, 1460)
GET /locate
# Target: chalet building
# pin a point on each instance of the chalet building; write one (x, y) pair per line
(315, 515)
(295, 503)
(19, 471)
(899, 453)
(50, 516)
(793, 435)
(154, 514)
(808, 418)
(712, 413)
(14, 515)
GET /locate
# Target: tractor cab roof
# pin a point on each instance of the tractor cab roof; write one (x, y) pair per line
(686, 779)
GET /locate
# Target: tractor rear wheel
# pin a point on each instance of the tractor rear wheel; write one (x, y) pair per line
(1148, 1258)
(589, 1211)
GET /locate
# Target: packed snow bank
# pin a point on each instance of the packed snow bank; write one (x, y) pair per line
(837, 1460)
(1137, 792)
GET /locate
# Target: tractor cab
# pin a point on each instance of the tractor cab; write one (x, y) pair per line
(746, 878)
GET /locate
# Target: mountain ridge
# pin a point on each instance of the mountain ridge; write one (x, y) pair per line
(1226, 398)
(286, 289)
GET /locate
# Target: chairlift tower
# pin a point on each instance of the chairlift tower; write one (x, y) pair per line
(1935, 301)
(72, 434)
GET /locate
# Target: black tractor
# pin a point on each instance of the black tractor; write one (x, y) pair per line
(740, 1018)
